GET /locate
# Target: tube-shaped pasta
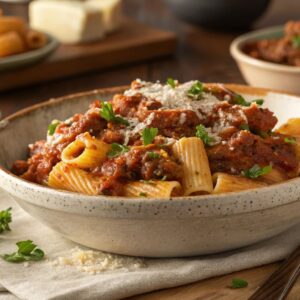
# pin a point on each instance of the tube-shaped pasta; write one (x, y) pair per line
(85, 152)
(291, 127)
(11, 43)
(16, 24)
(225, 183)
(35, 39)
(155, 189)
(66, 177)
(196, 173)
(273, 177)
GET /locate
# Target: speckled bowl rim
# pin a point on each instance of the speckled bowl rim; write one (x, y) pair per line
(240, 56)
(203, 200)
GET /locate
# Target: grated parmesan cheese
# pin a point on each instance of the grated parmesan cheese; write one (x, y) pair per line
(95, 262)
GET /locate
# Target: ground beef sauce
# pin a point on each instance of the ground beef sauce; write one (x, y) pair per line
(242, 135)
(283, 51)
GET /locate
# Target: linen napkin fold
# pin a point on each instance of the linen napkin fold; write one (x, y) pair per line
(41, 280)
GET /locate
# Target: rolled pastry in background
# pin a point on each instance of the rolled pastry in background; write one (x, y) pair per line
(8, 24)
(35, 39)
(11, 43)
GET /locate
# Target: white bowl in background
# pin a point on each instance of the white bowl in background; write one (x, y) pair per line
(261, 73)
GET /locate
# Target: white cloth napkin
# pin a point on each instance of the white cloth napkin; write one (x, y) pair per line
(41, 280)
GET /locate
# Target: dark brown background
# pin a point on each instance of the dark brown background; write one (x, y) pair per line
(201, 54)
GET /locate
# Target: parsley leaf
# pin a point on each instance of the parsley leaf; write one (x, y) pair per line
(171, 82)
(245, 127)
(240, 100)
(202, 134)
(153, 155)
(5, 219)
(296, 41)
(257, 171)
(290, 140)
(27, 251)
(196, 90)
(116, 150)
(143, 194)
(237, 283)
(107, 113)
(52, 127)
(148, 135)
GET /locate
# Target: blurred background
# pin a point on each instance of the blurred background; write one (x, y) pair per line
(204, 30)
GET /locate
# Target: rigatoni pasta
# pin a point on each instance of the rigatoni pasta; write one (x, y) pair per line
(165, 140)
(196, 173)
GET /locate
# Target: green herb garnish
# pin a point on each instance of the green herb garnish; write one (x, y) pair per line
(107, 113)
(116, 150)
(27, 251)
(196, 90)
(148, 135)
(257, 171)
(5, 219)
(237, 283)
(143, 194)
(245, 127)
(153, 155)
(296, 41)
(240, 100)
(171, 82)
(290, 140)
(164, 178)
(52, 127)
(202, 134)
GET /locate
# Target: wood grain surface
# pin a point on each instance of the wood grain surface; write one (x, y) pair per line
(133, 42)
(201, 54)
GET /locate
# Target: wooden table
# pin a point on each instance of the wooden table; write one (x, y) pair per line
(201, 54)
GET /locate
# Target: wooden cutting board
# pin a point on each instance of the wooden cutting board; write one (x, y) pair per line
(133, 42)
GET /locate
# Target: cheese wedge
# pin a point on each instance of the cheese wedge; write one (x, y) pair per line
(70, 21)
(111, 10)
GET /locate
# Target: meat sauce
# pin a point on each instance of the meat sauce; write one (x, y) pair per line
(282, 51)
(234, 150)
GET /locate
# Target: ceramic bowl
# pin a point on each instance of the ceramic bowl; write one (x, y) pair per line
(261, 73)
(219, 14)
(184, 226)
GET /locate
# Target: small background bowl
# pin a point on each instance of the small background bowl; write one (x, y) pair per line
(183, 226)
(261, 73)
(30, 57)
(221, 14)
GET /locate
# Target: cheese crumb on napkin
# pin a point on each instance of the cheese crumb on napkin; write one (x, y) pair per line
(95, 262)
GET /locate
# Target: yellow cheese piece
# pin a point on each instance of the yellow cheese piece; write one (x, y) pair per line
(111, 10)
(68, 20)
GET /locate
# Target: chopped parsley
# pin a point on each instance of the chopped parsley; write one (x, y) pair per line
(202, 134)
(171, 82)
(107, 113)
(240, 100)
(143, 194)
(237, 283)
(257, 171)
(290, 140)
(116, 150)
(164, 178)
(5, 219)
(296, 41)
(52, 127)
(196, 90)
(148, 135)
(27, 251)
(153, 155)
(245, 127)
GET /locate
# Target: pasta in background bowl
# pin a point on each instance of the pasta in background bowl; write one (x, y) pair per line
(157, 225)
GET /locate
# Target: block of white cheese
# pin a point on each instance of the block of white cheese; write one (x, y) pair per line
(111, 10)
(70, 21)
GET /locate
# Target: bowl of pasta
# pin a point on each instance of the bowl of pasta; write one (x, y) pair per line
(158, 169)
